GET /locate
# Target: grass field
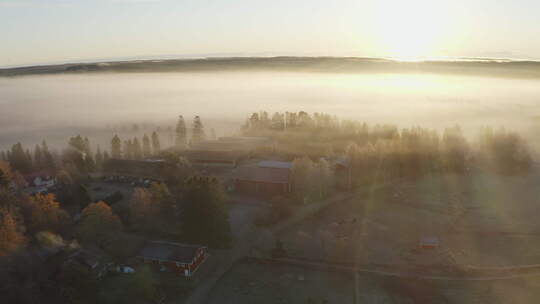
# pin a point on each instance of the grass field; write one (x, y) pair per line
(480, 219)
(250, 282)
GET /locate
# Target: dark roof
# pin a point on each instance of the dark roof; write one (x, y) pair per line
(342, 161)
(265, 175)
(207, 155)
(250, 139)
(274, 164)
(216, 146)
(231, 144)
(214, 171)
(429, 240)
(141, 168)
(168, 251)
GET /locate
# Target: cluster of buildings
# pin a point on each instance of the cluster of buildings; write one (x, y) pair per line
(183, 259)
(229, 159)
(235, 161)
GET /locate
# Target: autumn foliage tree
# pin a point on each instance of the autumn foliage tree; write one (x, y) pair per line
(46, 214)
(98, 223)
(153, 209)
(6, 175)
(11, 235)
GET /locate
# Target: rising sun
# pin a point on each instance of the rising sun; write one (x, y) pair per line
(408, 30)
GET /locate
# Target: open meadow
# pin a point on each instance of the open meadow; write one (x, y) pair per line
(478, 219)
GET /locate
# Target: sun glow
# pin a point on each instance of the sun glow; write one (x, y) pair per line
(409, 30)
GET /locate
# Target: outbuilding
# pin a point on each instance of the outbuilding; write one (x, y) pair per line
(262, 181)
(183, 259)
(429, 242)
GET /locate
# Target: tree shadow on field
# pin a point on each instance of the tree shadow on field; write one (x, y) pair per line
(414, 291)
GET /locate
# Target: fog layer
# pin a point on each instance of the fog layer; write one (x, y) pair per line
(57, 106)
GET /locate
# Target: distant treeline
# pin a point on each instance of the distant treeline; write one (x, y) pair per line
(80, 158)
(386, 151)
(467, 66)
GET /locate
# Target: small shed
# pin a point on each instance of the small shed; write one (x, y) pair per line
(429, 242)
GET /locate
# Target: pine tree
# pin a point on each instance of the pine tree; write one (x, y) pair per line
(197, 134)
(180, 140)
(29, 159)
(48, 160)
(19, 160)
(116, 147)
(87, 148)
(254, 122)
(146, 147)
(205, 218)
(264, 120)
(290, 120)
(136, 148)
(455, 149)
(78, 156)
(156, 147)
(162, 197)
(128, 149)
(99, 158)
(89, 156)
(38, 158)
(277, 121)
(106, 156)
(77, 143)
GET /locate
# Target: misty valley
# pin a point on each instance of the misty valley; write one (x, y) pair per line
(269, 186)
(269, 152)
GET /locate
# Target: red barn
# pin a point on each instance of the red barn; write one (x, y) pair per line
(262, 181)
(183, 259)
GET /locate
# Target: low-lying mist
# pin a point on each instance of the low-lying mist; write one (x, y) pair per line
(54, 107)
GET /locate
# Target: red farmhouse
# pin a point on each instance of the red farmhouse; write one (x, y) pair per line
(180, 258)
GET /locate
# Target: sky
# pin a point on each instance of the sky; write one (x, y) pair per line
(52, 31)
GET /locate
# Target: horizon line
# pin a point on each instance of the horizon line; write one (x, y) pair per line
(263, 55)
